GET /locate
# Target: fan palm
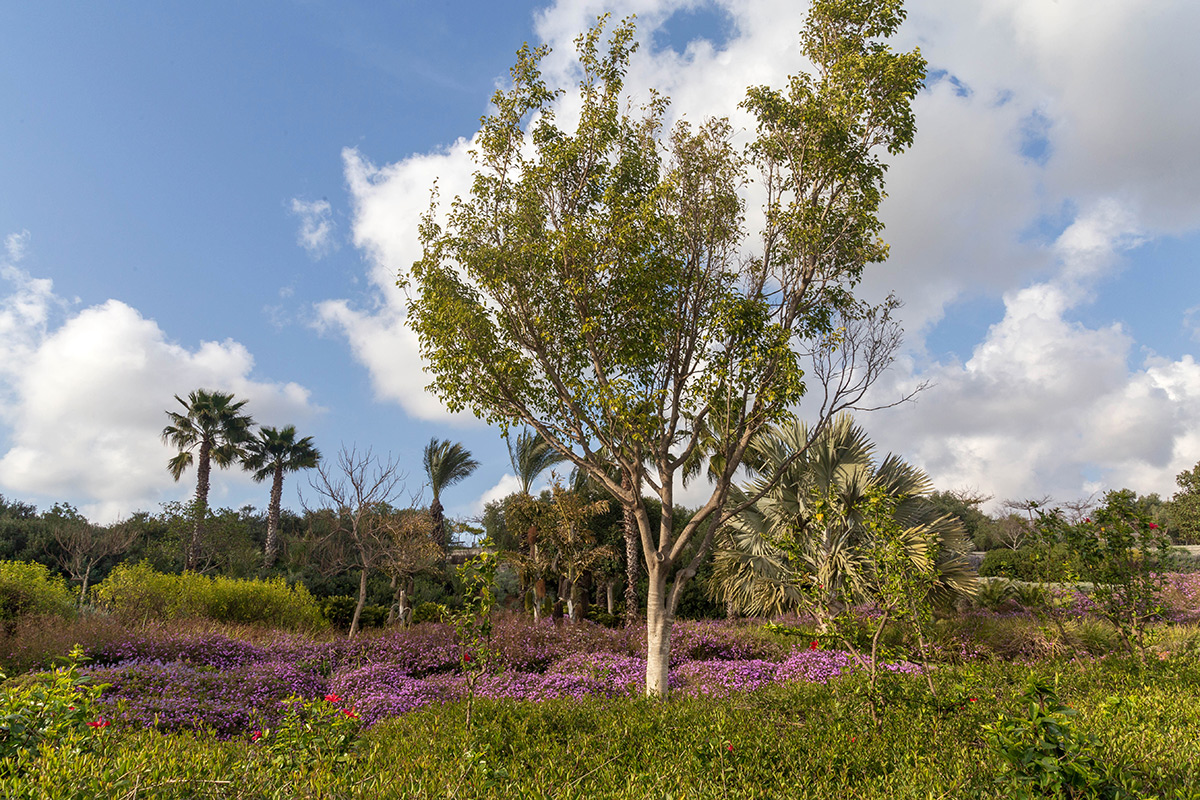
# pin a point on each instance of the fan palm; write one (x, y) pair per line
(807, 536)
(270, 454)
(212, 430)
(446, 464)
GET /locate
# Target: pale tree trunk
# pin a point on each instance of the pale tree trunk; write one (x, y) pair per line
(660, 617)
(272, 548)
(203, 467)
(362, 601)
(611, 596)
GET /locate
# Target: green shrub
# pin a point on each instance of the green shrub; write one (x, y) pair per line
(58, 708)
(137, 593)
(338, 610)
(601, 617)
(28, 588)
(430, 612)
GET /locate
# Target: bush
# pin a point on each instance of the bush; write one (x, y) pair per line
(430, 612)
(28, 588)
(138, 594)
(338, 610)
(1029, 564)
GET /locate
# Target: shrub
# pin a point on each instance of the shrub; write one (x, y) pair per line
(58, 708)
(338, 610)
(430, 612)
(28, 588)
(138, 593)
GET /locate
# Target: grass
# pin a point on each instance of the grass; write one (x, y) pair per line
(795, 741)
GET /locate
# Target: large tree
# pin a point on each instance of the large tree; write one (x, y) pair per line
(597, 285)
(269, 455)
(211, 430)
(446, 464)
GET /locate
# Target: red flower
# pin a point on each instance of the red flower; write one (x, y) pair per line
(972, 699)
(349, 713)
(1153, 527)
(854, 738)
(729, 748)
(100, 723)
(257, 735)
(1087, 519)
(332, 698)
(466, 656)
(813, 645)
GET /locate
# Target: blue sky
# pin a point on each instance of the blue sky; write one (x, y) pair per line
(221, 194)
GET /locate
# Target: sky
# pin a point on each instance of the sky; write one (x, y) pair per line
(222, 194)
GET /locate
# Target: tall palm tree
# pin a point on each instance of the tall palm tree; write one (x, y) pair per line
(270, 454)
(531, 455)
(806, 537)
(212, 430)
(445, 465)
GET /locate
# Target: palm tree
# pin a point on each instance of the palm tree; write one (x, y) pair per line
(211, 430)
(270, 454)
(531, 455)
(807, 536)
(445, 465)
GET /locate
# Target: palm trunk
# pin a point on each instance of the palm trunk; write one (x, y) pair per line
(610, 592)
(631, 568)
(436, 513)
(362, 601)
(203, 467)
(272, 548)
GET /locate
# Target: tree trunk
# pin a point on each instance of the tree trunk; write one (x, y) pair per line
(631, 568)
(87, 573)
(659, 619)
(362, 601)
(203, 467)
(272, 548)
(436, 514)
(611, 596)
(539, 598)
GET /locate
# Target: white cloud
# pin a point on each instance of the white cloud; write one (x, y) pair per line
(316, 226)
(1045, 403)
(1052, 138)
(15, 244)
(84, 394)
(508, 484)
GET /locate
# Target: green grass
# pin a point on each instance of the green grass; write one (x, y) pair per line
(798, 741)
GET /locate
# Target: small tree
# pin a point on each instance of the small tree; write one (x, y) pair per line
(1122, 559)
(597, 286)
(409, 551)
(1185, 507)
(81, 546)
(350, 531)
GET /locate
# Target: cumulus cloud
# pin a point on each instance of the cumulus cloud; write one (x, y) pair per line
(316, 226)
(83, 394)
(1046, 404)
(1051, 140)
(508, 484)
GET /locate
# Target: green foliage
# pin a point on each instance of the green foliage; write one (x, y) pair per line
(430, 612)
(311, 733)
(804, 741)
(58, 709)
(1121, 558)
(1184, 507)
(1046, 756)
(338, 611)
(1051, 562)
(30, 588)
(137, 593)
